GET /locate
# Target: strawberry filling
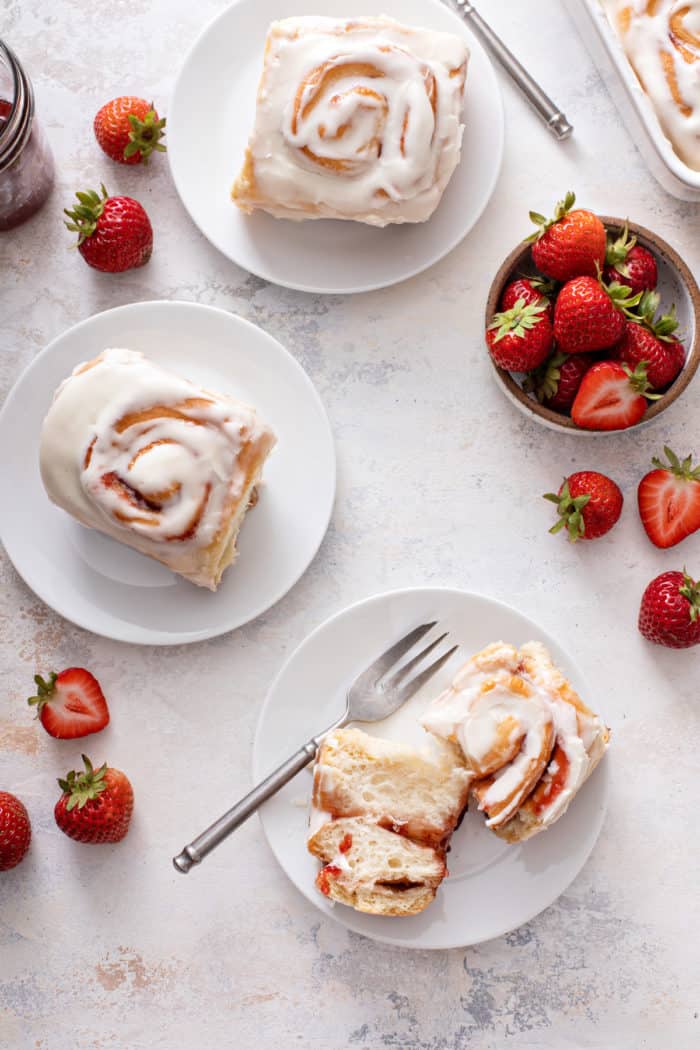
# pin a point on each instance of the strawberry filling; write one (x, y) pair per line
(330, 871)
(551, 786)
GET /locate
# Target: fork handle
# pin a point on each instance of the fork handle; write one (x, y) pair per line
(238, 814)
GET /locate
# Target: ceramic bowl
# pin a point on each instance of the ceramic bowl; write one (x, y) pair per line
(676, 284)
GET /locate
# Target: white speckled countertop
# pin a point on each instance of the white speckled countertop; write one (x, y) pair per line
(107, 947)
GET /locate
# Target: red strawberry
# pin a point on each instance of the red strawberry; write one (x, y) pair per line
(611, 397)
(556, 382)
(15, 831)
(96, 804)
(128, 130)
(669, 500)
(670, 611)
(70, 704)
(114, 233)
(650, 340)
(531, 290)
(520, 339)
(588, 504)
(589, 316)
(628, 263)
(572, 244)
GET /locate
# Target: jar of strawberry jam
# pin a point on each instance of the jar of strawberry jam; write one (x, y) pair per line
(26, 164)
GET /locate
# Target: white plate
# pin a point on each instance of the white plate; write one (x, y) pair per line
(493, 887)
(115, 591)
(210, 118)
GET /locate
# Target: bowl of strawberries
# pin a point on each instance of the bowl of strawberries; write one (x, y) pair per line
(593, 323)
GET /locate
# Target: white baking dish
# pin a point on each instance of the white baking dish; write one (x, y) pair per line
(606, 50)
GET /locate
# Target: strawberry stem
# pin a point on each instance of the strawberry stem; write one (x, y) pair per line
(639, 381)
(145, 135)
(570, 510)
(45, 690)
(518, 320)
(617, 250)
(544, 381)
(85, 215)
(691, 591)
(684, 469)
(621, 294)
(645, 314)
(543, 224)
(83, 786)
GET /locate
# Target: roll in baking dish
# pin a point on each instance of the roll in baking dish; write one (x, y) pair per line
(355, 119)
(661, 39)
(154, 461)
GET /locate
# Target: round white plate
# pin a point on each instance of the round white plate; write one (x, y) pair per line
(493, 887)
(115, 591)
(211, 116)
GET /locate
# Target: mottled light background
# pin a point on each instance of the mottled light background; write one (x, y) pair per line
(439, 482)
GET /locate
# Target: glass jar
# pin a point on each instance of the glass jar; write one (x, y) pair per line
(26, 163)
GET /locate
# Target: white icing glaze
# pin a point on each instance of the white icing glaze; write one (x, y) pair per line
(670, 28)
(155, 480)
(471, 717)
(317, 818)
(341, 861)
(358, 119)
(478, 736)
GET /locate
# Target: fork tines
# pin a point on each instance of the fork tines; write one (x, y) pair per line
(401, 683)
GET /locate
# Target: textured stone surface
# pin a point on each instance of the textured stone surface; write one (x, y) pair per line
(439, 482)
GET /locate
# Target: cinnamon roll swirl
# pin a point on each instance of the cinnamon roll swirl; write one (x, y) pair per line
(356, 119)
(153, 461)
(527, 737)
(661, 39)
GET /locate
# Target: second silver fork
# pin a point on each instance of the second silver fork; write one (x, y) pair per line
(374, 695)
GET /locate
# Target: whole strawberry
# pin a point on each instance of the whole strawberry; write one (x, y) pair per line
(532, 290)
(70, 704)
(590, 316)
(15, 831)
(555, 383)
(611, 397)
(670, 611)
(521, 338)
(114, 233)
(650, 340)
(588, 504)
(128, 129)
(96, 804)
(628, 263)
(572, 244)
(669, 500)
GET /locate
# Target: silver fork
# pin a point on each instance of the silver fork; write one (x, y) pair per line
(375, 694)
(540, 102)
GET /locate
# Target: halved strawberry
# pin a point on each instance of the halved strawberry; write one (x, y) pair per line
(70, 704)
(669, 500)
(611, 397)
